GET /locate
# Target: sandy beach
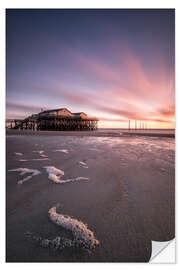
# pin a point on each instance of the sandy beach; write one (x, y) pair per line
(169, 133)
(122, 189)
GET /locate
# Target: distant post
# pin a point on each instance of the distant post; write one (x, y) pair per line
(129, 125)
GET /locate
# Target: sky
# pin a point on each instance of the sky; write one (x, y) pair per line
(115, 64)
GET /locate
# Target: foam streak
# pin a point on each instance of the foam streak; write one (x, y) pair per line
(25, 171)
(56, 174)
(83, 164)
(18, 154)
(65, 151)
(82, 237)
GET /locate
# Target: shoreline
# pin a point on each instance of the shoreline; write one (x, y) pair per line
(94, 133)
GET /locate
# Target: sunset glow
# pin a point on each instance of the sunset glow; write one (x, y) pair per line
(113, 64)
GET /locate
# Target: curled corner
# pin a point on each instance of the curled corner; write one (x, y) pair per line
(158, 254)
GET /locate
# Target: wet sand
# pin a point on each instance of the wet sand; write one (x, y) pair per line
(127, 201)
(170, 133)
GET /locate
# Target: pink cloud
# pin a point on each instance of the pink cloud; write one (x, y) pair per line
(128, 91)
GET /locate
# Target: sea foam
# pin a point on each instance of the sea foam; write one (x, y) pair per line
(62, 150)
(42, 155)
(83, 164)
(39, 151)
(18, 154)
(23, 171)
(56, 174)
(82, 236)
(37, 159)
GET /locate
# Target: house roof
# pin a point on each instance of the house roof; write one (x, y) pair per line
(74, 115)
(78, 113)
(56, 110)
